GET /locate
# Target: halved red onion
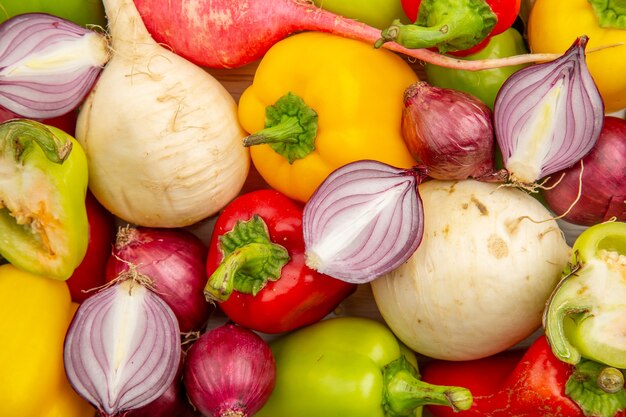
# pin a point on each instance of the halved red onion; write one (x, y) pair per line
(548, 116)
(122, 349)
(363, 221)
(47, 64)
(174, 260)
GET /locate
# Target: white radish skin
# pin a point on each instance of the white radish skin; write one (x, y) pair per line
(479, 281)
(162, 137)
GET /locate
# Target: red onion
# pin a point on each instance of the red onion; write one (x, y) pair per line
(122, 349)
(172, 403)
(449, 131)
(548, 116)
(363, 221)
(602, 184)
(229, 372)
(174, 260)
(47, 64)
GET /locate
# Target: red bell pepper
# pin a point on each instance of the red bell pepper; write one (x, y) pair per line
(257, 270)
(506, 12)
(530, 383)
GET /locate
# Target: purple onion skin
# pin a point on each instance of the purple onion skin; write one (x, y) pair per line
(603, 193)
(175, 259)
(229, 370)
(449, 131)
(173, 403)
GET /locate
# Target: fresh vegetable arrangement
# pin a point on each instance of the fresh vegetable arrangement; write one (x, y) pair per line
(217, 208)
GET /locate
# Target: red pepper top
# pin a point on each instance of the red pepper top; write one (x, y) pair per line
(530, 383)
(296, 295)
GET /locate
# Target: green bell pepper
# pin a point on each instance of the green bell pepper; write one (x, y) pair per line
(43, 185)
(82, 12)
(351, 367)
(584, 317)
(483, 84)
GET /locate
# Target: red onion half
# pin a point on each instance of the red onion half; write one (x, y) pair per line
(363, 221)
(122, 349)
(47, 64)
(450, 132)
(602, 184)
(229, 372)
(548, 116)
(174, 260)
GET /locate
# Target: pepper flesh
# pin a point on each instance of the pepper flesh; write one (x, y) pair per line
(350, 367)
(585, 316)
(355, 92)
(43, 217)
(36, 312)
(257, 269)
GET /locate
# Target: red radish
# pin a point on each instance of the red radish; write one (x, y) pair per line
(230, 34)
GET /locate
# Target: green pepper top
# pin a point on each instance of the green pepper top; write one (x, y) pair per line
(351, 367)
(43, 185)
(584, 317)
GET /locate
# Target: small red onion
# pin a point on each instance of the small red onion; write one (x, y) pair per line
(174, 260)
(548, 116)
(450, 132)
(229, 371)
(47, 64)
(363, 221)
(122, 349)
(602, 184)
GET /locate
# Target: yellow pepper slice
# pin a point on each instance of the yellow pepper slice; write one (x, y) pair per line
(355, 93)
(36, 312)
(554, 24)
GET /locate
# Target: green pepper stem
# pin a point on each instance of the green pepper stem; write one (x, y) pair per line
(446, 24)
(250, 261)
(597, 389)
(285, 132)
(610, 14)
(19, 135)
(404, 391)
(290, 128)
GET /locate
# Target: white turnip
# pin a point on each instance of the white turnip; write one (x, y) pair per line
(230, 34)
(478, 283)
(162, 137)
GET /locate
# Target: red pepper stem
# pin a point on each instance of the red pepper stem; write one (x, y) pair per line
(250, 260)
(404, 391)
(222, 282)
(449, 25)
(18, 135)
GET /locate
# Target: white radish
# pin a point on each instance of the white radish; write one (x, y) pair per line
(162, 137)
(478, 283)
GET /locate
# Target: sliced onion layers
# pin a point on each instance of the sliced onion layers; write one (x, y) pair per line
(47, 64)
(363, 221)
(548, 116)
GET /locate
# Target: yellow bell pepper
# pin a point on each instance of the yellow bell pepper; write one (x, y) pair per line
(554, 25)
(36, 312)
(319, 101)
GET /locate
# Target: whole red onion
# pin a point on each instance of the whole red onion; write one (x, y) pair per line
(174, 259)
(603, 180)
(450, 132)
(229, 371)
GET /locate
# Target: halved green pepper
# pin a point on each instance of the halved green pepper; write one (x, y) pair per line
(43, 186)
(351, 367)
(586, 315)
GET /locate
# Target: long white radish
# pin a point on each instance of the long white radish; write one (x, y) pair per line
(162, 137)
